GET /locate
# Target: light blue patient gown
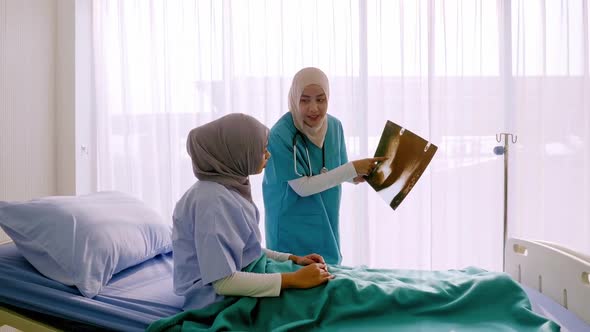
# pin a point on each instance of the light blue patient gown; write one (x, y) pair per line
(215, 234)
(295, 224)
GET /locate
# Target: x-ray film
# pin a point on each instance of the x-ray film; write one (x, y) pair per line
(409, 155)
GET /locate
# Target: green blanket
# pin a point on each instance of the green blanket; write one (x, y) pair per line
(361, 299)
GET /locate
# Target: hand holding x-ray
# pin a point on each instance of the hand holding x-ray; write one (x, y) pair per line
(366, 166)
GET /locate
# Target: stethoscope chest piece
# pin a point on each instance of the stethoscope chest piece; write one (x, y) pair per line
(324, 170)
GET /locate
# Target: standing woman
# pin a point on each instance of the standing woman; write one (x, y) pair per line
(301, 184)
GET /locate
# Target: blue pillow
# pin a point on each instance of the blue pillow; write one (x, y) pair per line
(83, 240)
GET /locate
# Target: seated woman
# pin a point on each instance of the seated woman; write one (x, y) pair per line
(216, 232)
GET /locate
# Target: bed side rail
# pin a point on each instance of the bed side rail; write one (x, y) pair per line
(558, 272)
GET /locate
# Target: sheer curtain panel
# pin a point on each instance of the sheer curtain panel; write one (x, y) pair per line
(455, 72)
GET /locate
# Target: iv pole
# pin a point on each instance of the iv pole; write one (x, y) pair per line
(503, 150)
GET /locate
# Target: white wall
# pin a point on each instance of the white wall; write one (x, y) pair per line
(76, 153)
(65, 98)
(45, 60)
(84, 153)
(27, 99)
(45, 76)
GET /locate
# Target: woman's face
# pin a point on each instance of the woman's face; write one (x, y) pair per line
(265, 158)
(313, 105)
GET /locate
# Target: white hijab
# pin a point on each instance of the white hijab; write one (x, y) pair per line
(303, 78)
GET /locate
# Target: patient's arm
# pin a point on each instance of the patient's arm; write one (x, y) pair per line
(249, 284)
(270, 284)
(275, 255)
(299, 260)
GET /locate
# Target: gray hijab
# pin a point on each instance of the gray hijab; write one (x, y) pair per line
(228, 150)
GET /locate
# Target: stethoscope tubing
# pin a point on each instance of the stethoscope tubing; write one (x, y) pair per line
(298, 133)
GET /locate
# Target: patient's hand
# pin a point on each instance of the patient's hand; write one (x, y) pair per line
(307, 277)
(308, 259)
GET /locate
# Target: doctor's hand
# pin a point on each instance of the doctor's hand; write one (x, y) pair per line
(364, 167)
(358, 179)
(306, 260)
(306, 277)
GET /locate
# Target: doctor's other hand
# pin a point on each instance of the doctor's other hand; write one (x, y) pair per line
(307, 259)
(364, 167)
(308, 276)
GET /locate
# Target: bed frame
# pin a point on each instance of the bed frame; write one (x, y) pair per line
(551, 269)
(20, 322)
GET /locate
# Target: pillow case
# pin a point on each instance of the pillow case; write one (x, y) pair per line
(83, 240)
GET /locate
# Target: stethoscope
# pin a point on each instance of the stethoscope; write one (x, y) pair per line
(324, 169)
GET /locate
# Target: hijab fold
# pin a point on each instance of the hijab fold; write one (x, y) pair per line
(228, 150)
(303, 78)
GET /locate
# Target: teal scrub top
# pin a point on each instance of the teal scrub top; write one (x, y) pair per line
(295, 224)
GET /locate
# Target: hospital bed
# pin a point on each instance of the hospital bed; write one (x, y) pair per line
(555, 279)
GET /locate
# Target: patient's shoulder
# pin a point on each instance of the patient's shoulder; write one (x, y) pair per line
(210, 194)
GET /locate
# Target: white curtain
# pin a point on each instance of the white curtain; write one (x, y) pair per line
(454, 72)
(551, 113)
